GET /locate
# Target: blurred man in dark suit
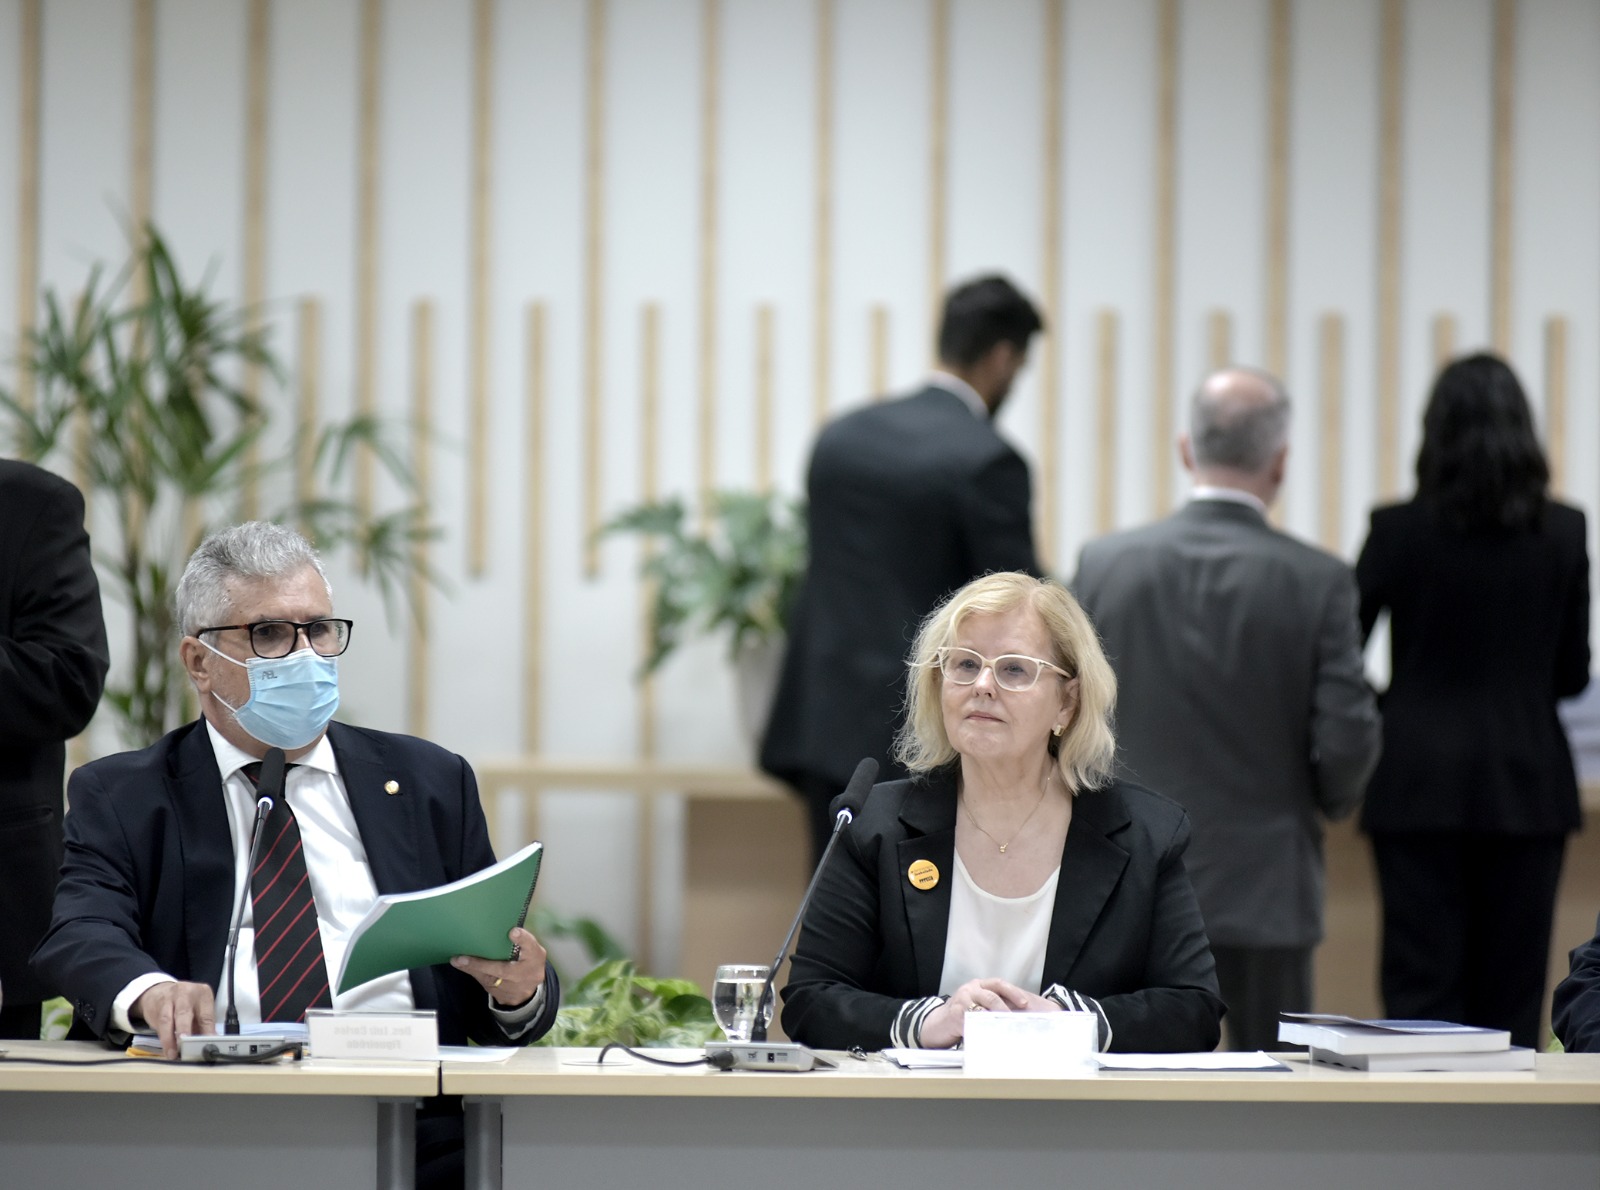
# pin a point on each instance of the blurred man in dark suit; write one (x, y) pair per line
(53, 663)
(1240, 693)
(909, 499)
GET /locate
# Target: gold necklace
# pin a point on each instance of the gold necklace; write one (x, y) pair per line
(1018, 832)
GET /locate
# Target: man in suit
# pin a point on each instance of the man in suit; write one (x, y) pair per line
(909, 499)
(53, 662)
(1240, 693)
(157, 841)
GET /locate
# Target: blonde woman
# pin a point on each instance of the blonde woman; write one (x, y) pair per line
(1011, 872)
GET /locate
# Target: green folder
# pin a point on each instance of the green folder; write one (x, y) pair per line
(471, 916)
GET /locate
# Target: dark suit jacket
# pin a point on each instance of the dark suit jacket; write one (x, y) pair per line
(1487, 631)
(908, 501)
(53, 663)
(1125, 928)
(149, 874)
(1575, 1008)
(1240, 693)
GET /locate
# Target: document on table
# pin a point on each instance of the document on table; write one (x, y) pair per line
(476, 1053)
(1204, 1061)
(925, 1059)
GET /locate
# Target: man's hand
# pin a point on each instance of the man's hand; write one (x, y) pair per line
(175, 1008)
(946, 1024)
(511, 984)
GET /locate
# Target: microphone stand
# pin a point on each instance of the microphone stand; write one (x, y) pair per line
(230, 1025)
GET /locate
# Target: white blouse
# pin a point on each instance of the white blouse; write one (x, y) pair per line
(990, 936)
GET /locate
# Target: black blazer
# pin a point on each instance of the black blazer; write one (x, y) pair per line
(149, 875)
(1575, 1008)
(1487, 632)
(53, 662)
(1125, 929)
(909, 500)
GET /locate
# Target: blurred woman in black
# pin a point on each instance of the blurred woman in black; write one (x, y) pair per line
(1486, 582)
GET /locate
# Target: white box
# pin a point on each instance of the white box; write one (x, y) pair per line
(1030, 1044)
(367, 1036)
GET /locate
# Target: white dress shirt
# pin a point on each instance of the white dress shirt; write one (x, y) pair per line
(969, 395)
(341, 885)
(1209, 491)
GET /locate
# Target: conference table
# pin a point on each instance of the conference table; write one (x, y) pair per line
(177, 1126)
(552, 1118)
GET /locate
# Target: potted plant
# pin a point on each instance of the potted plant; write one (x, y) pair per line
(741, 574)
(138, 385)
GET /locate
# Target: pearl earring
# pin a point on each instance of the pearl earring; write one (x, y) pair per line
(1059, 728)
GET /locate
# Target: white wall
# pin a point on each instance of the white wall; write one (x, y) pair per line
(764, 237)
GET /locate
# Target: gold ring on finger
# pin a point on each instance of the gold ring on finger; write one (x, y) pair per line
(497, 982)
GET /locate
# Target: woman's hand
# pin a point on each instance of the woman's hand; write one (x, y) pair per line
(946, 1024)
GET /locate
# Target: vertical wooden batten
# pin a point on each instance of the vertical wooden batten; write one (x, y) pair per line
(1279, 96)
(593, 294)
(1330, 400)
(710, 72)
(1219, 339)
(534, 518)
(480, 317)
(1163, 322)
(366, 294)
(1391, 83)
(30, 50)
(308, 400)
(257, 74)
(878, 351)
(1105, 493)
(418, 670)
(764, 397)
(822, 214)
(938, 157)
(649, 491)
(1555, 400)
(1505, 84)
(1045, 520)
(1443, 339)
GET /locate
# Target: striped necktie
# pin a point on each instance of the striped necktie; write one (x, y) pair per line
(290, 969)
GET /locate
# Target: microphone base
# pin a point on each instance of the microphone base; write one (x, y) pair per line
(194, 1047)
(769, 1055)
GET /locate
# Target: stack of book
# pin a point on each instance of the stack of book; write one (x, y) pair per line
(1393, 1046)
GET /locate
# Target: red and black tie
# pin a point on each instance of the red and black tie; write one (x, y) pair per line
(289, 964)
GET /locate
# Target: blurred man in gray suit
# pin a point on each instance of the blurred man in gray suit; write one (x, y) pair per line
(1240, 693)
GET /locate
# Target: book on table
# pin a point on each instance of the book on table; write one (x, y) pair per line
(471, 916)
(1352, 1035)
(1518, 1057)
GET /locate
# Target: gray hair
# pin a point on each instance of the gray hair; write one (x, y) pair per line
(1241, 423)
(251, 551)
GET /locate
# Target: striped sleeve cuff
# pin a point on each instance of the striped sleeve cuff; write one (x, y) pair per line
(1078, 1002)
(905, 1033)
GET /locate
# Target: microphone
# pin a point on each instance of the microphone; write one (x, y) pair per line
(270, 787)
(845, 807)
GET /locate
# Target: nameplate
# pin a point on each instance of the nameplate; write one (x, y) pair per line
(368, 1036)
(1030, 1044)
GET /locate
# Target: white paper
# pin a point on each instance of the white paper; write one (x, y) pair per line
(1204, 1061)
(926, 1059)
(476, 1053)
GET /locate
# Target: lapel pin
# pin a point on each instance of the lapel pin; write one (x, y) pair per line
(923, 874)
(391, 787)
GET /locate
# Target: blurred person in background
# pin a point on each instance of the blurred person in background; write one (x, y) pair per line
(1485, 579)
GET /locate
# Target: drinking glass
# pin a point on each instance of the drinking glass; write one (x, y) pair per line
(733, 999)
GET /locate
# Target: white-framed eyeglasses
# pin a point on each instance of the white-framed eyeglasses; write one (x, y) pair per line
(1012, 671)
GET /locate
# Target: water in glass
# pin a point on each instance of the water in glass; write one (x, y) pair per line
(733, 999)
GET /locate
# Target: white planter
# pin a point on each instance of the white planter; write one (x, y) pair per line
(756, 667)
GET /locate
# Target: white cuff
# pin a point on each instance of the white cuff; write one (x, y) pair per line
(516, 1021)
(905, 1031)
(122, 1006)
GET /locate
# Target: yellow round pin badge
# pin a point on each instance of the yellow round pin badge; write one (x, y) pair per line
(923, 874)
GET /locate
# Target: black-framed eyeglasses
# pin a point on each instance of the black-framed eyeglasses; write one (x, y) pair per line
(276, 638)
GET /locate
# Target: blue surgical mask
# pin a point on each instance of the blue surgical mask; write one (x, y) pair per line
(291, 698)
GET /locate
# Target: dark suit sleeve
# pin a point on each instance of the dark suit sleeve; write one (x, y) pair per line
(1177, 1009)
(1371, 579)
(826, 1003)
(1572, 649)
(53, 660)
(1346, 733)
(1575, 1008)
(997, 520)
(95, 947)
(473, 1002)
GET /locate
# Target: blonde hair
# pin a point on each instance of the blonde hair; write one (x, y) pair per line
(1085, 751)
